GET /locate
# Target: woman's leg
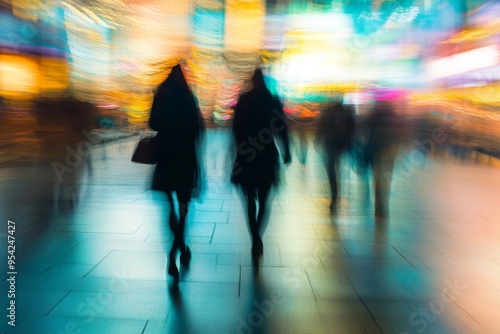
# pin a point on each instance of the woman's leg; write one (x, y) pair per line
(172, 219)
(251, 197)
(174, 226)
(332, 171)
(183, 212)
(184, 199)
(262, 217)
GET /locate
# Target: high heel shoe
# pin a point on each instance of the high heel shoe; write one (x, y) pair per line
(185, 256)
(172, 267)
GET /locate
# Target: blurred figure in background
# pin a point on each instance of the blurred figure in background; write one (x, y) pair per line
(176, 116)
(335, 133)
(258, 116)
(302, 126)
(386, 131)
(62, 127)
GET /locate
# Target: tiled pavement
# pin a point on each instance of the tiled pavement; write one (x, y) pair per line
(434, 267)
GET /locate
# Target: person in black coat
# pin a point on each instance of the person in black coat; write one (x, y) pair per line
(335, 134)
(387, 132)
(258, 117)
(176, 117)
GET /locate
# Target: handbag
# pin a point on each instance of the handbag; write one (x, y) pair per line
(146, 151)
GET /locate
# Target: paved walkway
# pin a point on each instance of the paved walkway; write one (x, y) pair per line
(100, 267)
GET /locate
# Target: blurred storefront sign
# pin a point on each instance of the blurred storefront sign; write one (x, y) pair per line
(476, 78)
(32, 57)
(477, 59)
(40, 38)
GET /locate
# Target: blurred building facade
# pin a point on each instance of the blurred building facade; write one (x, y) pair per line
(115, 52)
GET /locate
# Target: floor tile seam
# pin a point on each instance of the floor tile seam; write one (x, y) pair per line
(140, 226)
(463, 310)
(95, 266)
(147, 237)
(213, 233)
(164, 282)
(367, 309)
(266, 266)
(96, 317)
(341, 241)
(404, 257)
(145, 326)
(91, 244)
(210, 211)
(183, 280)
(13, 328)
(28, 250)
(314, 292)
(43, 271)
(67, 293)
(207, 222)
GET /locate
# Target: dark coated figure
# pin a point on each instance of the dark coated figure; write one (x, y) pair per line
(335, 134)
(386, 132)
(258, 117)
(176, 117)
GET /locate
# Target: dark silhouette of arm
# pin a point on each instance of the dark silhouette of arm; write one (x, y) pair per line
(280, 128)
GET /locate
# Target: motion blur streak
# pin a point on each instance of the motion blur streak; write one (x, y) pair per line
(385, 221)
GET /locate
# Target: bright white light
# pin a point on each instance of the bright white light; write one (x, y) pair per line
(484, 57)
(331, 22)
(317, 67)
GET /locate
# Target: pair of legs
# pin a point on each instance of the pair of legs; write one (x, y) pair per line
(67, 190)
(332, 169)
(383, 165)
(302, 144)
(257, 217)
(178, 227)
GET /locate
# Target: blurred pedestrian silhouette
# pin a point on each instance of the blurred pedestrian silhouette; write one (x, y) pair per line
(301, 127)
(176, 117)
(386, 131)
(258, 116)
(335, 134)
(61, 127)
(360, 157)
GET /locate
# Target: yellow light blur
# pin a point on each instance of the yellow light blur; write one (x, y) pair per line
(25, 9)
(54, 74)
(215, 5)
(18, 75)
(471, 101)
(475, 33)
(244, 25)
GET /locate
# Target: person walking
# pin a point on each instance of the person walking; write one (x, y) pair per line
(386, 134)
(258, 117)
(176, 116)
(336, 128)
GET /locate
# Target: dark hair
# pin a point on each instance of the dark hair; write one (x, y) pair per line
(175, 82)
(258, 80)
(175, 93)
(260, 90)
